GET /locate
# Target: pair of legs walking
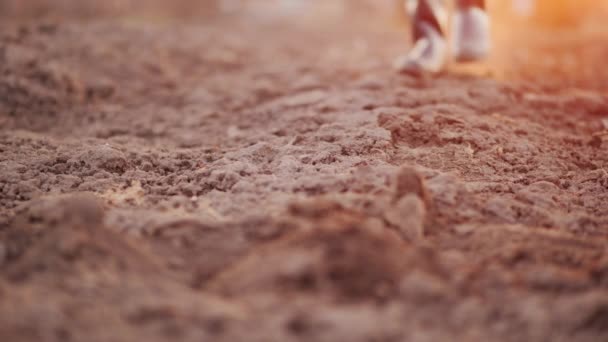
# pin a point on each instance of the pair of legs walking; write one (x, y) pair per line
(470, 36)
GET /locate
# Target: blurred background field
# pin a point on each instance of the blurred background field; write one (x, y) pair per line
(552, 12)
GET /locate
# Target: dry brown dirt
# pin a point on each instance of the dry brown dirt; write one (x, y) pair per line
(259, 179)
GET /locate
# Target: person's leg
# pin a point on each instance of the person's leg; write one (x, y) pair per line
(429, 54)
(471, 40)
(467, 3)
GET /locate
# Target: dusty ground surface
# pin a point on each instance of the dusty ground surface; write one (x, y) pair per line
(259, 180)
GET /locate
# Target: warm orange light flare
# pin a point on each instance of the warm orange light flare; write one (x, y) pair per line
(564, 12)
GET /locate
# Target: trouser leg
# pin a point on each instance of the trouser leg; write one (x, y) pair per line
(427, 14)
(468, 3)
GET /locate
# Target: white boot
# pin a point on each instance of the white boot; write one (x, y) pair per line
(429, 54)
(471, 40)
